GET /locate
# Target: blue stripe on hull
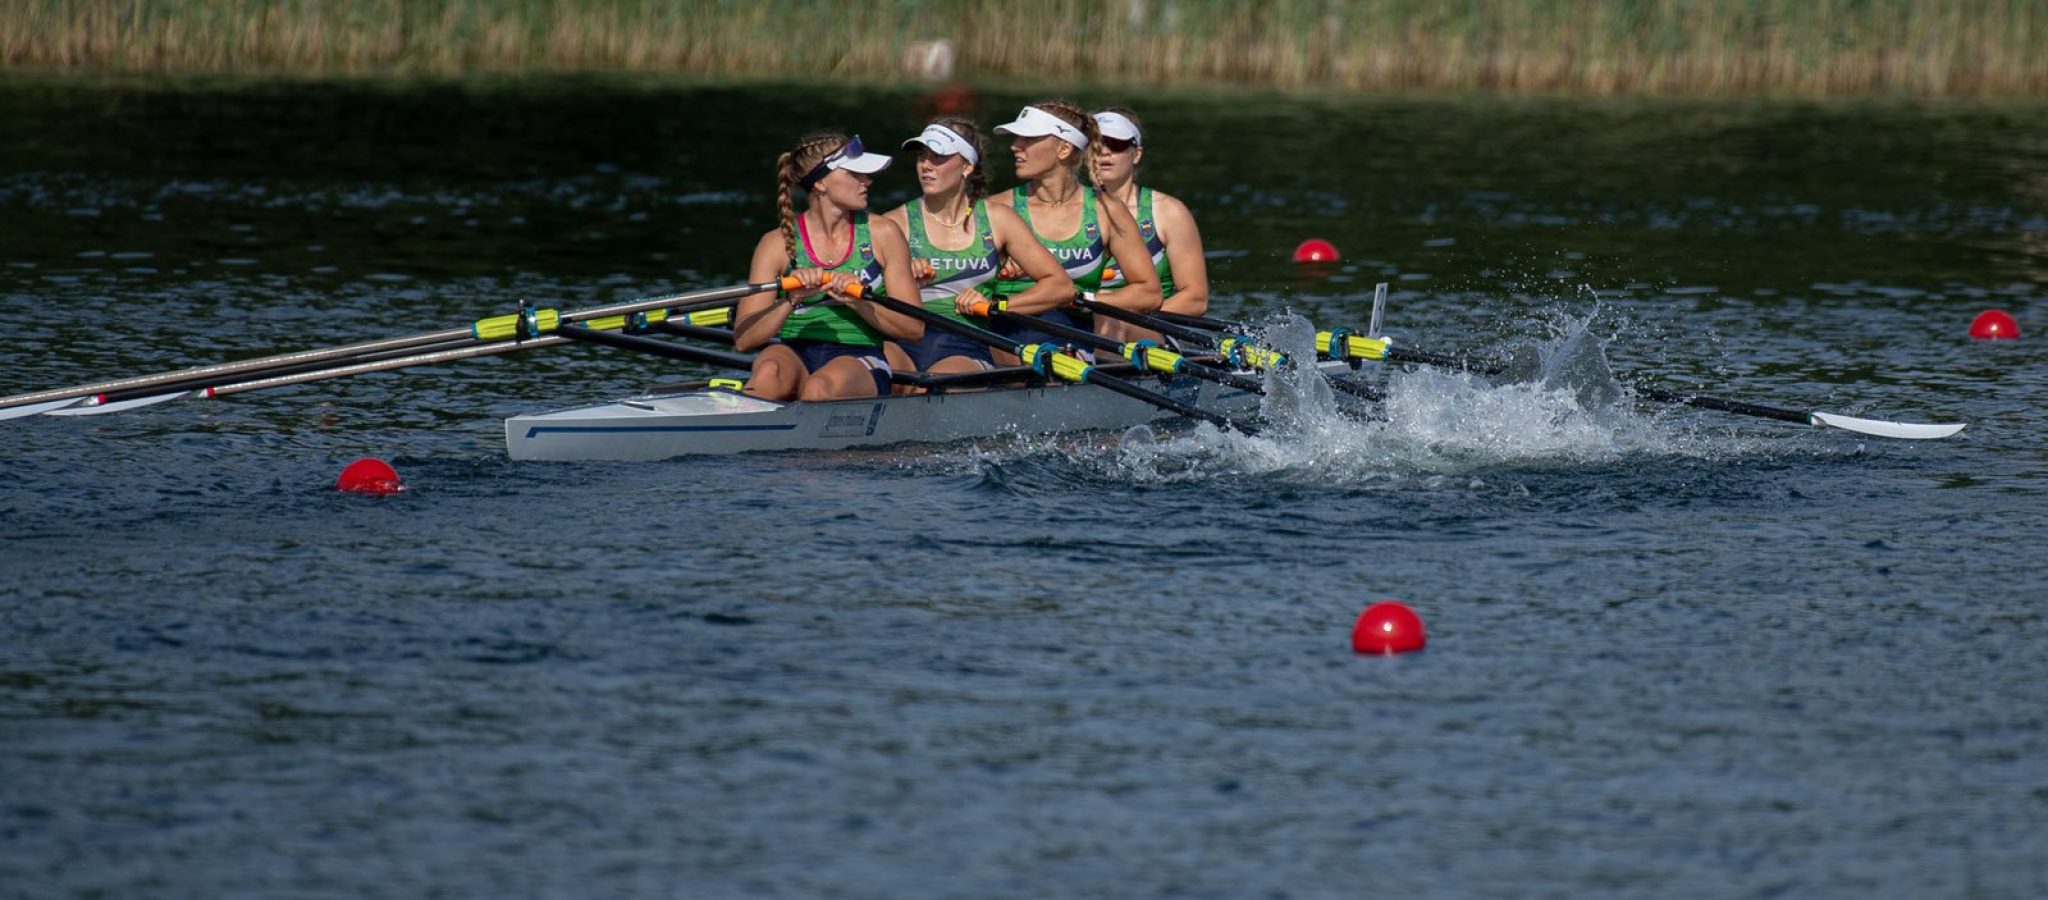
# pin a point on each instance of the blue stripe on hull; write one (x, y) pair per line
(536, 430)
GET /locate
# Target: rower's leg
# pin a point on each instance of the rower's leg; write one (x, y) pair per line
(777, 375)
(841, 379)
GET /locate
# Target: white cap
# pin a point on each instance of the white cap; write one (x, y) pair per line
(850, 157)
(1035, 122)
(945, 142)
(1118, 126)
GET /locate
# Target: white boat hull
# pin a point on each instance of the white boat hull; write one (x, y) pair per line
(719, 421)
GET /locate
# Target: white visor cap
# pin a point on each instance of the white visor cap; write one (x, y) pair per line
(851, 157)
(1117, 126)
(1035, 122)
(945, 142)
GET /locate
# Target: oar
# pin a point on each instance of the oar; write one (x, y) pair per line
(131, 398)
(339, 371)
(1236, 350)
(1146, 355)
(1341, 344)
(1047, 360)
(497, 328)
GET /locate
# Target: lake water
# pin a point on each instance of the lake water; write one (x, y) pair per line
(1672, 652)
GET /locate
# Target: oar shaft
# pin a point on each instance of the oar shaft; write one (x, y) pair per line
(1738, 407)
(658, 348)
(422, 359)
(1095, 377)
(201, 383)
(1091, 339)
(215, 373)
(1205, 339)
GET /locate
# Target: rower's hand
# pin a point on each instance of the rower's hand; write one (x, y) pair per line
(970, 302)
(922, 270)
(1010, 271)
(844, 288)
(814, 281)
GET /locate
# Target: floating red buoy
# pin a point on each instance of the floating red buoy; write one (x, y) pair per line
(1995, 325)
(1315, 250)
(369, 475)
(1387, 627)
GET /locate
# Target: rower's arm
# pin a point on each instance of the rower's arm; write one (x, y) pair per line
(759, 316)
(898, 278)
(1140, 292)
(1053, 289)
(1184, 255)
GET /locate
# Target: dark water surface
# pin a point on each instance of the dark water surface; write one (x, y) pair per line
(1672, 653)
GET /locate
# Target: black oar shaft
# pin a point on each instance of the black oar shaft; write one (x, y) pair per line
(1095, 377)
(1730, 406)
(1203, 338)
(1659, 395)
(659, 348)
(1091, 339)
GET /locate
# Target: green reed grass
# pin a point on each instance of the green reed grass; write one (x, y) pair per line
(1810, 47)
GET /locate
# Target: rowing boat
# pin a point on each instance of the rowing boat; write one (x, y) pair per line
(1053, 390)
(705, 421)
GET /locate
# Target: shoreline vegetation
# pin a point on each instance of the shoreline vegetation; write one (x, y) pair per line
(1964, 48)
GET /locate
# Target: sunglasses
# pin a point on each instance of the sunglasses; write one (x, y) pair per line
(1117, 145)
(850, 150)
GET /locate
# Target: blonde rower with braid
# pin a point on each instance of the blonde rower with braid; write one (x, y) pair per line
(1168, 229)
(1051, 141)
(830, 349)
(958, 241)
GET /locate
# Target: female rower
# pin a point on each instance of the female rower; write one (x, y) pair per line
(831, 349)
(957, 242)
(1168, 229)
(1051, 141)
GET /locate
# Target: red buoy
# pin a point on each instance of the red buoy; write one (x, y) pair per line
(1388, 627)
(369, 475)
(1315, 250)
(1995, 325)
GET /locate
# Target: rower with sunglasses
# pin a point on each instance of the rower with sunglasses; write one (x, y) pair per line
(1169, 231)
(1050, 142)
(827, 349)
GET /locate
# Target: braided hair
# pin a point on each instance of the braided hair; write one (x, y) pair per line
(790, 168)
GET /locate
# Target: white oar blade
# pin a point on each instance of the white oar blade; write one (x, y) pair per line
(1911, 431)
(120, 405)
(16, 412)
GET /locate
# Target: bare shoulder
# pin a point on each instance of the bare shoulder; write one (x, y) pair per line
(1001, 216)
(1168, 206)
(900, 215)
(771, 249)
(884, 228)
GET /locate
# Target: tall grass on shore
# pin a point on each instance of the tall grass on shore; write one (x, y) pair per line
(1807, 47)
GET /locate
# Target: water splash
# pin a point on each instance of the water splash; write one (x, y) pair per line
(1556, 403)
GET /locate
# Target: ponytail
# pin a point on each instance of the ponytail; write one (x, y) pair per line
(789, 169)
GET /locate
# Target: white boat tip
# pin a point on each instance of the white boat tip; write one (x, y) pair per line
(1912, 431)
(118, 405)
(16, 412)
